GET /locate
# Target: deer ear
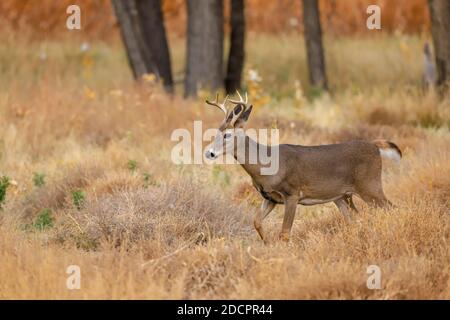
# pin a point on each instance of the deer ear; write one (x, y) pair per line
(244, 116)
(238, 109)
(235, 115)
(240, 122)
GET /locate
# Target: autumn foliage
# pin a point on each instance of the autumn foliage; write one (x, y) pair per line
(46, 18)
(87, 154)
(87, 177)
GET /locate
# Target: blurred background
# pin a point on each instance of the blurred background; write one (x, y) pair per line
(44, 20)
(86, 118)
(164, 26)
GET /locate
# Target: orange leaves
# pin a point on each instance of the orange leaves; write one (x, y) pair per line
(338, 17)
(48, 17)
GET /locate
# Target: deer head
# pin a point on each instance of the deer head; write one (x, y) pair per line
(230, 133)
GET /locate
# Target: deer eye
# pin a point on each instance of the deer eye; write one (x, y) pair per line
(227, 136)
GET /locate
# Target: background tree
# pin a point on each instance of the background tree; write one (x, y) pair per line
(143, 33)
(314, 46)
(236, 55)
(204, 61)
(440, 30)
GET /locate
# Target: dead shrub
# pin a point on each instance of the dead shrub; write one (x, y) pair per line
(383, 116)
(172, 213)
(56, 194)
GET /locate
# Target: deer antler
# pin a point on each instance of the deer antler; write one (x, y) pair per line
(240, 101)
(241, 107)
(216, 103)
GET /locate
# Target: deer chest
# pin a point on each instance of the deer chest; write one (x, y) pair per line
(269, 195)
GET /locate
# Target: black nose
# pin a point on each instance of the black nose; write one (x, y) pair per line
(210, 154)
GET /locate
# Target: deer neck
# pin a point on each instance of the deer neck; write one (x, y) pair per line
(246, 154)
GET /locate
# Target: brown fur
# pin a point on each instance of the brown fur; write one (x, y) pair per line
(310, 175)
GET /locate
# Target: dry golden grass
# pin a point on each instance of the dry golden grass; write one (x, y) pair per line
(153, 230)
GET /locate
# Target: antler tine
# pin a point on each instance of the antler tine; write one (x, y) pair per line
(246, 97)
(241, 101)
(216, 103)
(240, 97)
(225, 100)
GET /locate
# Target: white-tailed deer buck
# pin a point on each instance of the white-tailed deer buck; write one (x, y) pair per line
(306, 175)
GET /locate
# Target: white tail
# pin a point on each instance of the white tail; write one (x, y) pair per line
(388, 150)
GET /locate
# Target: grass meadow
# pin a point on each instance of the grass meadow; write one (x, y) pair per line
(86, 177)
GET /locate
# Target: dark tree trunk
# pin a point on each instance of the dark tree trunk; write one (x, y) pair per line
(142, 28)
(237, 51)
(154, 34)
(204, 61)
(440, 29)
(314, 46)
(128, 19)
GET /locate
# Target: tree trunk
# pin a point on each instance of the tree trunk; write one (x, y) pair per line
(154, 34)
(143, 33)
(204, 61)
(440, 29)
(314, 47)
(128, 19)
(237, 47)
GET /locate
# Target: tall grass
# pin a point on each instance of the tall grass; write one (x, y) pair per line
(167, 231)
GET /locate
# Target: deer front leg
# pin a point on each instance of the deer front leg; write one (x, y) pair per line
(290, 206)
(266, 207)
(343, 207)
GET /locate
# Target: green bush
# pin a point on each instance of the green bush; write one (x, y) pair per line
(44, 220)
(38, 179)
(132, 165)
(78, 198)
(4, 184)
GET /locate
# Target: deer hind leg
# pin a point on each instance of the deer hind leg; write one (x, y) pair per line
(375, 197)
(266, 207)
(376, 201)
(343, 207)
